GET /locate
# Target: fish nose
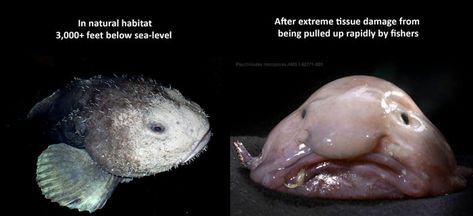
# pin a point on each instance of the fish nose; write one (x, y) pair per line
(346, 129)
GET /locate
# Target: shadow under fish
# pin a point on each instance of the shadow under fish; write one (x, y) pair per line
(110, 130)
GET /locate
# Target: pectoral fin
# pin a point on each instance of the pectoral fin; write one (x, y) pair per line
(244, 156)
(69, 176)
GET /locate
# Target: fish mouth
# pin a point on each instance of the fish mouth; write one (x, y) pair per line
(373, 176)
(198, 146)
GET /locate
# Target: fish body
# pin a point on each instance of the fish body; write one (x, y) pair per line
(358, 137)
(110, 130)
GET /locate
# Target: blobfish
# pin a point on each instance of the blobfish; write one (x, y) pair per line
(358, 137)
(110, 130)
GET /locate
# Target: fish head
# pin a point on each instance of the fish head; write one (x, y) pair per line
(358, 137)
(152, 135)
(179, 126)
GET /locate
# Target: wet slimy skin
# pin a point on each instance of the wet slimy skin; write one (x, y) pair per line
(358, 137)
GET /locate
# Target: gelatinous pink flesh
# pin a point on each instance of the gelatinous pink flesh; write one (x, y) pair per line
(358, 137)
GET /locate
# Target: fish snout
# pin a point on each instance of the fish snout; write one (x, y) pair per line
(346, 129)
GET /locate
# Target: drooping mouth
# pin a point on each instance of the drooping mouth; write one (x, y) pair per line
(374, 175)
(198, 146)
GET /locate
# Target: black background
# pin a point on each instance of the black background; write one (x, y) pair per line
(201, 62)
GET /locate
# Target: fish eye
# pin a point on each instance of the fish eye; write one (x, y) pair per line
(157, 128)
(304, 112)
(405, 118)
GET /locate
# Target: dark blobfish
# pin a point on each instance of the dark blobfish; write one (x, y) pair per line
(110, 130)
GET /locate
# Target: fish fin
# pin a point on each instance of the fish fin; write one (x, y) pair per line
(75, 96)
(244, 156)
(43, 107)
(69, 176)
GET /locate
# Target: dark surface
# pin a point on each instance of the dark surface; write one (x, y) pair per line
(248, 198)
